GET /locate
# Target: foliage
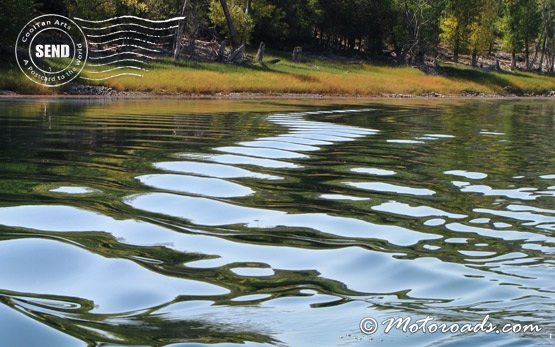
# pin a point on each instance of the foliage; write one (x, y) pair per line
(449, 26)
(482, 30)
(244, 23)
(520, 21)
(412, 29)
(13, 16)
(417, 30)
(91, 9)
(101, 9)
(457, 24)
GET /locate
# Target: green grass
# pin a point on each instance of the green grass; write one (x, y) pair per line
(311, 77)
(12, 79)
(501, 82)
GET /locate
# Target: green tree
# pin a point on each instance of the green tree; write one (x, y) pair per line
(520, 26)
(345, 24)
(286, 22)
(416, 30)
(456, 25)
(482, 30)
(14, 15)
(232, 19)
(547, 15)
(90, 9)
(102, 9)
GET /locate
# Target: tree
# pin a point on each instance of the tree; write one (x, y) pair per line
(215, 16)
(179, 33)
(482, 30)
(282, 23)
(102, 9)
(346, 24)
(520, 26)
(456, 24)
(14, 15)
(90, 9)
(548, 34)
(547, 8)
(416, 31)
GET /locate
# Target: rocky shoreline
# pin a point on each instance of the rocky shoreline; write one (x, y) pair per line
(80, 90)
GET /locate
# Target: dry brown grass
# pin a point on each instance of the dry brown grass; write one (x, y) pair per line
(339, 79)
(326, 78)
(312, 77)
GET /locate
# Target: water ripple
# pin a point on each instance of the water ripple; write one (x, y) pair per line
(124, 223)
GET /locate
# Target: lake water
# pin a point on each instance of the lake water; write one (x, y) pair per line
(181, 223)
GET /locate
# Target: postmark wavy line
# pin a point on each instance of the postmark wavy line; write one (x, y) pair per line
(125, 45)
(131, 24)
(118, 68)
(121, 53)
(113, 76)
(174, 19)
(125, 38)
(118, 61)
(131, 32)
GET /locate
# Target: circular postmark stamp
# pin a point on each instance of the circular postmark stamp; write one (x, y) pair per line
(51, 50)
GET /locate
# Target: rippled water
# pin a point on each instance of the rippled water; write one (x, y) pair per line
(151, 223)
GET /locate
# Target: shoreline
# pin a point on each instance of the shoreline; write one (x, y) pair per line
(271, 96)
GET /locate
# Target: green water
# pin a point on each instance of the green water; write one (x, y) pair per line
(179, 223)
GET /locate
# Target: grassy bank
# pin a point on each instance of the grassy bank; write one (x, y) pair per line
(13, 80)
(311, 77)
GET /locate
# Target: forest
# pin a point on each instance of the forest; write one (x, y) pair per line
(403, 31)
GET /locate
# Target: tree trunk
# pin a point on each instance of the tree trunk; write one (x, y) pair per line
(192, 47)
(536, 50)
(456, 45)
(474, 59)
(402, 57)
(237, 57)
(297, 54)
(230, 25)
(526, 53)
(420, 57)
(221, 50)
(177, 48)
(513, 60)
(546, 20)
(260, 54)
(552, 54)
(544, 47)
(248, 8)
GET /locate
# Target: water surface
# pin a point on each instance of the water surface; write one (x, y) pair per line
(178, 223)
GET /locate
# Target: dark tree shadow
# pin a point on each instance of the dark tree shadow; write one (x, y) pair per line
(479, 76)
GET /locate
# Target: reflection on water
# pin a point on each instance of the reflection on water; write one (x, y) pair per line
(172, 223)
